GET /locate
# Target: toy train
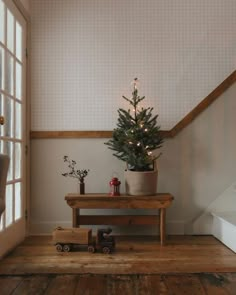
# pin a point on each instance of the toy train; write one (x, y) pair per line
(66, 238)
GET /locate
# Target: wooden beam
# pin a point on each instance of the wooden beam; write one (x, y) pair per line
(77, 134)
(203, 104)
(70, 134)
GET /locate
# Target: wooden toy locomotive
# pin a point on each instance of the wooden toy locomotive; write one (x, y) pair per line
(66, 238)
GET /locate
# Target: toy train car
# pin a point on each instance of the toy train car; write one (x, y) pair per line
(65, 238)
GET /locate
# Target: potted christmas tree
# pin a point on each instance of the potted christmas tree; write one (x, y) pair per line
(135, 141)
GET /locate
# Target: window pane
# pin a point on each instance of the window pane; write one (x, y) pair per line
(9, 205)
(10, 31)
(2, 21)
(17, 160)
(1, 114)
(1, 68)
(9, 74)
(1, 221)
(18, 204)
(1, 104)
(18, 41)
(9, 152)
(18, 121)
(18, 80)
(9, 113)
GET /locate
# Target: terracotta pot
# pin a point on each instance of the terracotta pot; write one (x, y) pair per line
(138, 183)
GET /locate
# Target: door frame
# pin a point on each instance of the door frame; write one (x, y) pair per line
(20, 10)
(26, 16)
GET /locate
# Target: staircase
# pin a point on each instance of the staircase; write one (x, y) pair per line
(219, 218)
(224, 228)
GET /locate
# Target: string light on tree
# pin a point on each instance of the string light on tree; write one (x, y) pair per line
(137, 134)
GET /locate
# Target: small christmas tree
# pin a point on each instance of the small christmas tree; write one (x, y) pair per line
(137, 135)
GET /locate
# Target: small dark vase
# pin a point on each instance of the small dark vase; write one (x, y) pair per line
(82, 188)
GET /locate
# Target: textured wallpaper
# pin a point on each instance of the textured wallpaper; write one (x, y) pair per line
(85, 53)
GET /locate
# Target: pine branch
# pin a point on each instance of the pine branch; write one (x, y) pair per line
(137, 135)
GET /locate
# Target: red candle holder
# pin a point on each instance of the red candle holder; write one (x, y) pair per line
(115, 187)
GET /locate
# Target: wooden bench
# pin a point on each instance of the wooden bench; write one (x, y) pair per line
(159, 201)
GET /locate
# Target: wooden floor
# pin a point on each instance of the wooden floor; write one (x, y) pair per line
(186, 265)
(189, 284)
(136, 255)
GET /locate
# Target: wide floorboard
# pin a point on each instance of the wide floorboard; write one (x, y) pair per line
(133, 255)
(139, 266)
(189, 284)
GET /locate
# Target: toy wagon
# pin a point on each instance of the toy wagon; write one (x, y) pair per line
(65, 238)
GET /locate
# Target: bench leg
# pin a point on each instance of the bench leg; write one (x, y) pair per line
(75, 217)
(162, 225)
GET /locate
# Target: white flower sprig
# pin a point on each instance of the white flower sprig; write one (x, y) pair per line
(80, 174)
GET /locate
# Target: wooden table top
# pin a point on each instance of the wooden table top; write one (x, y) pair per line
(101, 200)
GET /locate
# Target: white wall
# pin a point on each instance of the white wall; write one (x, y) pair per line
(196, 167)
(201, 160)
(85, 53)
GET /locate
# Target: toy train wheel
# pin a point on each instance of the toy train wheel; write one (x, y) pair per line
(106, 250)
(66, 248)
(59, 247)
(91, 249)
